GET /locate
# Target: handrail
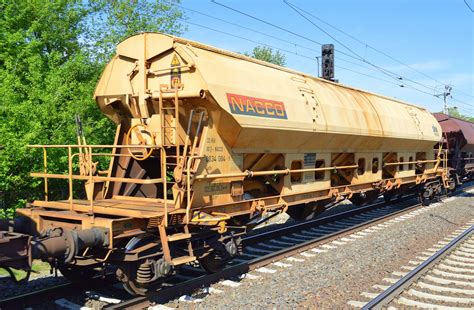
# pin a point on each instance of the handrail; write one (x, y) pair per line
(188, 186)
(45, 165)
(411, 162)
(71, 189)
(95, 146)
(165, 185)
(89, 176)
(95, 178)
(249, 173)
(91, 184)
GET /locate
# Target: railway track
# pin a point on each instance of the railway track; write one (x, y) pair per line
(262, 249)
(51, 293)
(444, 281)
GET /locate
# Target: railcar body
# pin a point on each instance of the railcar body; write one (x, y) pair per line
(458, 140)
(209, 143)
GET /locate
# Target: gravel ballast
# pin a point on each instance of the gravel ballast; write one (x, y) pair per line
(330, 279)
(8, 288)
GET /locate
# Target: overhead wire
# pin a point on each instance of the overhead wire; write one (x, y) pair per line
(247, 28)
(464, 93)
(402, 82)
(386, 72)
(373, 48)
(383, 70)
(247, 39)
(463, 103)
(468, 112)
(300, 10)
(395, 76)
(365, 44)
(283, 50)
(278, 27)
(469, 6)
(296, 45)
(303, 56)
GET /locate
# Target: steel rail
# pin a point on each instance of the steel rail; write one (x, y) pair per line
(49, 293)
(399, 287)
(188, 286)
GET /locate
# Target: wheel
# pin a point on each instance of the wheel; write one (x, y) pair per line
(452, 184)
(360, 199)
(302, 212)
(126, 274)
(77, 274)
(139, 277)
(216, 260)
(299, 213)
(388, 196)
(424, 197)
(133, 288)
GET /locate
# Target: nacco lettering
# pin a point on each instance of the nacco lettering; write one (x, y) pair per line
(245, 105)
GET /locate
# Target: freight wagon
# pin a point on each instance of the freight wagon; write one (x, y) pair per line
(208, 144)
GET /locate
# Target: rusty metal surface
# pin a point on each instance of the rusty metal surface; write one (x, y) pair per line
(15, 250)
(263, 106)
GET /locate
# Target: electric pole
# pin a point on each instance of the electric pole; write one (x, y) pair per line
(317, 60)
(445, 94)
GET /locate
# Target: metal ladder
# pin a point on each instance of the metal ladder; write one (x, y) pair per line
(180, 236)
(173, 128)
(191, 158)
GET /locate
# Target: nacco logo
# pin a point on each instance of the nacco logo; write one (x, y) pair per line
(245, 105)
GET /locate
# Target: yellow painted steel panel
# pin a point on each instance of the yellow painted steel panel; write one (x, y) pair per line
(318, 114)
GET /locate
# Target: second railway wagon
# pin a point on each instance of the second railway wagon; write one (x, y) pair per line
(208, 144)
(458, 140)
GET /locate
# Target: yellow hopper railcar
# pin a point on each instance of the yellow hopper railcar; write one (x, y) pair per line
(208, 142)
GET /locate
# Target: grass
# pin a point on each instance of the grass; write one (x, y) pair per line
(38, 267)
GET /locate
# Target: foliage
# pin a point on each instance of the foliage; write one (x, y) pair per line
(112, 21)
(50, 62)
(454, 112)
(267, 54)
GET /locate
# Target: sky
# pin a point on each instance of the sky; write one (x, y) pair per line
(429, 43)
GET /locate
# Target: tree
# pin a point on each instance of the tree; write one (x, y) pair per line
(50, 61)
(267, 54)
(40, 84)
(455, 113)
(111, 21)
